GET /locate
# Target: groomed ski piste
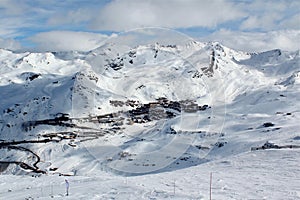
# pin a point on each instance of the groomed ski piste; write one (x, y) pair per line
(150, 121)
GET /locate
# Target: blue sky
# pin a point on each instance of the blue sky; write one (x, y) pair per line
(53, 25)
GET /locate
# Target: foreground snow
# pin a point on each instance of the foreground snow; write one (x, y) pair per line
(269, 174)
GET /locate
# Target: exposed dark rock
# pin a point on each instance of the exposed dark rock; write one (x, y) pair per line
(268, 124)
(296, 138)
(115, 64)
(220, 144)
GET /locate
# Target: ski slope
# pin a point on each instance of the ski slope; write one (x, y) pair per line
(254, 175)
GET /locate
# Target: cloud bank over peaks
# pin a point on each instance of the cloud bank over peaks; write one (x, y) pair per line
(9, 44)
(288, 40)
(67, 41)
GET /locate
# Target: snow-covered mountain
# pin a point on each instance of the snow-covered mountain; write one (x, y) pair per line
(148, 109)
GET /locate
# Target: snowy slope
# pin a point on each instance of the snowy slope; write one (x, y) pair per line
(152, 110)
(253, 175)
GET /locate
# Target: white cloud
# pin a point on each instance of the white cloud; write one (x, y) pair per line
(270, 15)
(67, 41)
(13, 7)
(291, 23)
(123, 15)
(264, 23)
(246, 41)
(256, 41)
(9, 44)
(72, 17)
(25, 17)
(9, 17)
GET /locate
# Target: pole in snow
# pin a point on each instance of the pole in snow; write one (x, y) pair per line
(67, 187)
(210, 185)
(174, 188)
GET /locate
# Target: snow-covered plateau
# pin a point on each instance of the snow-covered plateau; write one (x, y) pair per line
(150, 122)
